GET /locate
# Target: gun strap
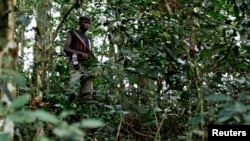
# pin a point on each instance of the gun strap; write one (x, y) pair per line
(78, 36)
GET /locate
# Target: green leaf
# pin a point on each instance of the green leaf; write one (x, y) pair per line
(109, 106)
(123, 112)
(158, 109)
(140, 109)
(91, 123)
(20, 80)
(198, 132)
(223, 119)
(247, 118)
(15, 77)
(239, 3)
(4, 136)
(25, 20)
(71, 132)
(23, 117)
(43, 138)
(64, 114)
(240, 107)
(61, 132)
(46, 116)
(170, 52)
(195, 120)
(217, 97)
(20, 101)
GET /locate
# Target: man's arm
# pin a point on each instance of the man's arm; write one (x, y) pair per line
(68, 49)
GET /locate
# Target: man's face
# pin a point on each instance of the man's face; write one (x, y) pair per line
(84, 25)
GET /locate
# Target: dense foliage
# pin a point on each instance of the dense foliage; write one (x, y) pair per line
(168, 69)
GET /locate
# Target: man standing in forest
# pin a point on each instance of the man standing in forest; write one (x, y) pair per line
(78, 49)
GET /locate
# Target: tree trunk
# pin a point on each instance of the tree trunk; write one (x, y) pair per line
(41, 49)
(8, 56)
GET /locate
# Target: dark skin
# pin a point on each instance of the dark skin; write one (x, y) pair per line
(84, 26)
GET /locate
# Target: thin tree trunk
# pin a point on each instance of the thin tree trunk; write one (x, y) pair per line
(41, 49)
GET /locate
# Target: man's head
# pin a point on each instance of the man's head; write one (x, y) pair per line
(84, 23)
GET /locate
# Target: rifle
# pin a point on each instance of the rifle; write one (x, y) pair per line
(92, 59)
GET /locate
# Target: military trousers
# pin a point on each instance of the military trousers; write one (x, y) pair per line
(80, 80)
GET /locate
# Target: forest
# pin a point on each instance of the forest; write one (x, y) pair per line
(167, 69)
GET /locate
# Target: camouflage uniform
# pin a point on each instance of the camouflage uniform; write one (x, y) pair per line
(81, 75)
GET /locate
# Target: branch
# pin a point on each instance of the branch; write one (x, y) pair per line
(62, 21)
(136, 132)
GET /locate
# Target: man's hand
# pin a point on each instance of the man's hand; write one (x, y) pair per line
(84, 55)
